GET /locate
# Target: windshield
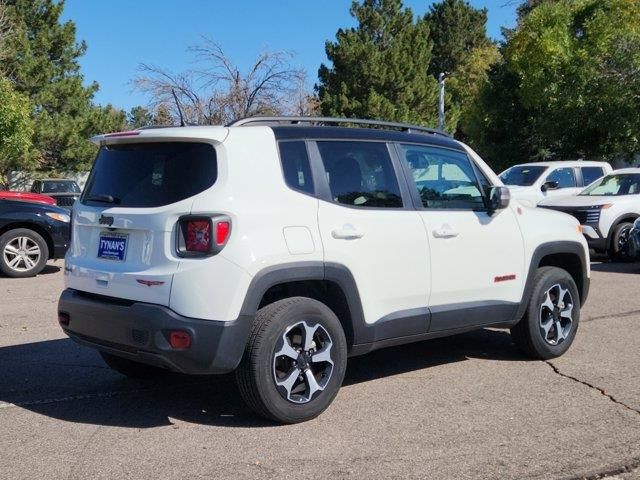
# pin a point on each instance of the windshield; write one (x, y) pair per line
(522, 176)
(60, 186)
(150, 174)
(615, 185)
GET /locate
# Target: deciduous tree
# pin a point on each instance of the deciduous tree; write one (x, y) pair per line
(217, 91)
(16, 130)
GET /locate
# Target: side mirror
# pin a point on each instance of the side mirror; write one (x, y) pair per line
(498, 198)
(549, 186)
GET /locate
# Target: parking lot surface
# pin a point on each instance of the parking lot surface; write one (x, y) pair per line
(463, 407)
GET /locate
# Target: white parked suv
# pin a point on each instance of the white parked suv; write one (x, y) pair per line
(606, 209)
(530, 183)
(278, 247)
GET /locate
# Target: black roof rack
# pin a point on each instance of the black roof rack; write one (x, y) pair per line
(285, 120)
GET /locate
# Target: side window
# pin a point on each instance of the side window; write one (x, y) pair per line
(295, 166)
(591, 174)
(564, 176)
(444, 178)
(360, 174)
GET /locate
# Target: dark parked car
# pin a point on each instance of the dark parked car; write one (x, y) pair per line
(66, 192)
(30, 234)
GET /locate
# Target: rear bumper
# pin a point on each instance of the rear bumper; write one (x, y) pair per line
(140, 332)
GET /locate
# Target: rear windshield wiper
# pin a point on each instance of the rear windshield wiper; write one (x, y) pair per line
(103, 198)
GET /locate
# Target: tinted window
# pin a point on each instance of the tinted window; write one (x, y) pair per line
(591, 174)
(150, 174)
(613, 185)
(360, 174)
(523, 176)
(564, 176)
(295, 166)
(443, 178)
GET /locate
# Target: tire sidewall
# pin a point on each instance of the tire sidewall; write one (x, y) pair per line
(313, 313)
(37, 238)
(549, 278)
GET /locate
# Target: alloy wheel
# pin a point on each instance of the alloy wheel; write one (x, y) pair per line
(556, 314)
(302, 362)
(21, 254)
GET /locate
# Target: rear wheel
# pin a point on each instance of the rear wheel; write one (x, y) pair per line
(551, 320)
(23, 253)
(619, 247)
(130, 368)
(294, 362)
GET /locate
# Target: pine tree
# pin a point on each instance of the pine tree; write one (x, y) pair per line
(43, 64)
(378, 69)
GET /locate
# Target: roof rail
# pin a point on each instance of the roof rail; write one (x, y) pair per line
(406, 127)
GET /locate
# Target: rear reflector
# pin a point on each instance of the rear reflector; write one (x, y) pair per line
(179, 339)
(64, 319)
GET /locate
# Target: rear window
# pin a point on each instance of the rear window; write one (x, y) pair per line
(150, 174)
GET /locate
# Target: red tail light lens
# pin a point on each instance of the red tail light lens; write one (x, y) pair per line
(222, 232)
(179, 339)
(198, 236)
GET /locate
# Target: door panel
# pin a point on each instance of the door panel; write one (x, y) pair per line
(365, 225)
(476, 258)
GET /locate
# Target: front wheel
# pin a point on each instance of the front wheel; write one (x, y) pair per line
(294, 361)
(551, 320)
(619, 248)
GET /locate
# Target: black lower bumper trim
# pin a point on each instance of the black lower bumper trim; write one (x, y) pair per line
(140, 332)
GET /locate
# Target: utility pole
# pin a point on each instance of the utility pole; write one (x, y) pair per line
(441, 101)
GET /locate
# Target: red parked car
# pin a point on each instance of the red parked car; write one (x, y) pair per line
(26, 196)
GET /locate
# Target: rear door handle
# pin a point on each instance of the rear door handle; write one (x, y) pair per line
(347, 232)
(445, 231)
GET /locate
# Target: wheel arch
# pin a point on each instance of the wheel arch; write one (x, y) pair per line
(31, 226)
(626, 217)
(331, 284)
(570, 256)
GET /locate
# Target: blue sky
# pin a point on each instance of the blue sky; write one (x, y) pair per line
(123, 33)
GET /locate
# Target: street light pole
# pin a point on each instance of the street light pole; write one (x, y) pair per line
(441, 101)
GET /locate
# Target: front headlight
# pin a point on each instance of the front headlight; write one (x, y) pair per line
(61, 217)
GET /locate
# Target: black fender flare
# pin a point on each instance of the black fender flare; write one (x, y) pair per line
(310, 270)
(551, 248)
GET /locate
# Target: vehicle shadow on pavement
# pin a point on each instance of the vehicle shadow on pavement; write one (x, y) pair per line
(616, 267)
(65, 381)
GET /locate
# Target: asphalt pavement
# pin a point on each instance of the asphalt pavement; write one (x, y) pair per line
(464, 407)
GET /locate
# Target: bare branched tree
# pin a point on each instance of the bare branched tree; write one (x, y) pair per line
(217, 92)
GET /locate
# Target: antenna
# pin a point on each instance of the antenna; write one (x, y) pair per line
(175, 97)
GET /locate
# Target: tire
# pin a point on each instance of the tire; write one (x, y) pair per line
(619, 244)
(293, 320)
(132, 369)
(23, 253)
(544, 333)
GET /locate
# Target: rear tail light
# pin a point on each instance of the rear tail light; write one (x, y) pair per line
(200, 236)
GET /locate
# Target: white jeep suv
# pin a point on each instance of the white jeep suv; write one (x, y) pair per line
(278, 247)
(530, 183)
(606, 209)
